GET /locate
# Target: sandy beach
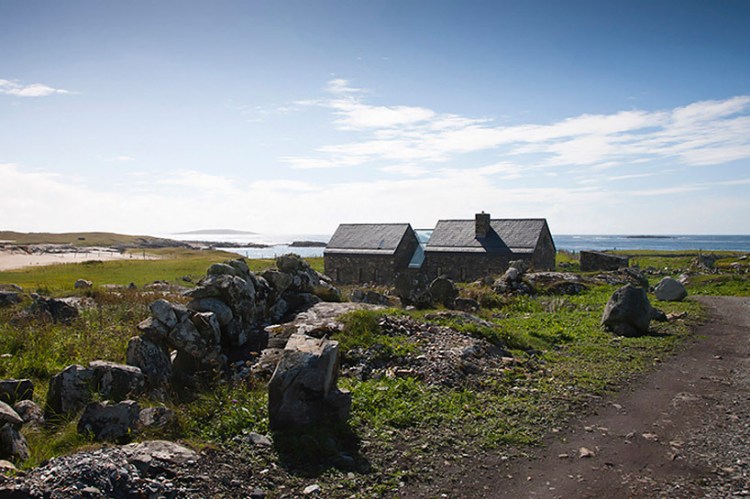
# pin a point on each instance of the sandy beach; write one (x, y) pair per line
(17, 259)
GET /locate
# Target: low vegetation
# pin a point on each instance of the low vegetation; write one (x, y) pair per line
(558, 359)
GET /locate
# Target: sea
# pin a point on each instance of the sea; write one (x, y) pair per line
(279, 244)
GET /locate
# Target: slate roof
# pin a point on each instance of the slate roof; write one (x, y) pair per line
(379, 239)
(505, 235)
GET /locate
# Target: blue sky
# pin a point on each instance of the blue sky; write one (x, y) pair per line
(295, 116)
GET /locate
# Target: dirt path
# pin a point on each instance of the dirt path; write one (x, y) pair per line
(682, 431)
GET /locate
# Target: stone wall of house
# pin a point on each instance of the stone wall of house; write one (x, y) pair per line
(544, 254)
(468, 266)
(360, 268)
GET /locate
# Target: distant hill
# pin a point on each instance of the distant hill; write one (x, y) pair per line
(206, 232)
(89, 239)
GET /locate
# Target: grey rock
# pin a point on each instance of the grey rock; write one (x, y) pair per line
(109, 421)
(413, 289)
(326, 292)
(161, 450)
(13, 390)
(291, 263)
(70, 390)
(8, 298)
(221, 269)
(670, 289)
(117, 381)
(466, 304)
(444, 291)
(208, 325)
(223, 312)
(56, 310)
(302, 391)
(153, 329)
(30, 412)
(83, 284)
(628, 312)
(8, 415)
(152, 359)
(163, 311)
(156, 417)
(12, 443)
(279, 281)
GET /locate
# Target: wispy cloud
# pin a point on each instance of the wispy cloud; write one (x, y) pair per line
(13, 87)
(701, 133)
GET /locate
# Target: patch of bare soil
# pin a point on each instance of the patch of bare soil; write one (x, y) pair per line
(681, 431)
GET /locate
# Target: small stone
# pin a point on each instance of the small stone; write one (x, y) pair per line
(583, 452)
(311, 489)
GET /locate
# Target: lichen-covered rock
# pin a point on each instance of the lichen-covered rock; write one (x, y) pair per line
(117, 381)
(153, 329)
(302, 391)
(70, 390)
(109, 421)
(156, 417)
(628, 312)
(152, 359)
(163, 311)
(222, 311)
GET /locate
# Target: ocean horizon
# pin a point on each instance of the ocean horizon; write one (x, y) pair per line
(279, 244)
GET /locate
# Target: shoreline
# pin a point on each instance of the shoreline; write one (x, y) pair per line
(19, 260)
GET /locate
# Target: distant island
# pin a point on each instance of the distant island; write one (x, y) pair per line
(214, 232)
(649, 237)
(308, 244)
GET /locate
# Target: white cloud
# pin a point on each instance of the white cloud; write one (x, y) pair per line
(702, 133)
(12, 87)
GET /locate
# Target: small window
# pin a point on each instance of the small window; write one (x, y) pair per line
(359, 275)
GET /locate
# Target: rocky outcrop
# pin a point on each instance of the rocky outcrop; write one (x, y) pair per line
(592, 261)
(628, 312)
(413, 289)
(53, 309)
(669, 289)
(302, 391)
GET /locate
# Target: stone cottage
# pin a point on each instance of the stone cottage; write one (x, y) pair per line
(463, 250)
(374, 253)
(466, 250)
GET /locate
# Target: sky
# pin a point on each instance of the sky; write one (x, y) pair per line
(145, 117)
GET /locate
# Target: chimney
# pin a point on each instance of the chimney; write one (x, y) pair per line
(482, 225)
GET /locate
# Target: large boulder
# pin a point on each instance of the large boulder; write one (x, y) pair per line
(592, 261)
(628, 312)
(117, 381)
(670, 289)
(109, 421)
(70, 390)
(302, 391)
(60, 310)
(13, 390)
(164, 312)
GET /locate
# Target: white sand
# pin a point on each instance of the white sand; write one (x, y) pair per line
(15, 259)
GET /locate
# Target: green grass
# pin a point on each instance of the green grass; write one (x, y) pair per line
(174, 263)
